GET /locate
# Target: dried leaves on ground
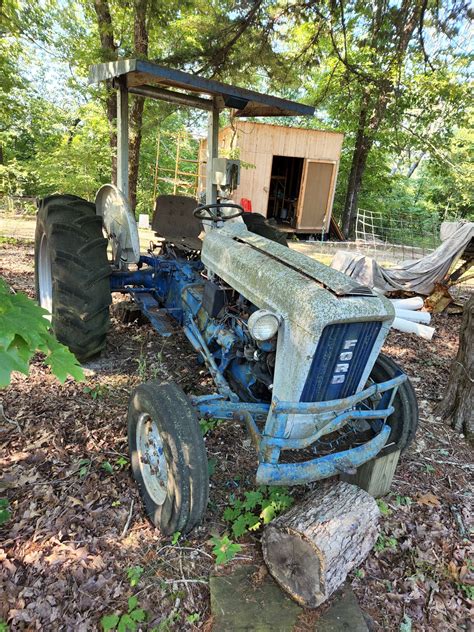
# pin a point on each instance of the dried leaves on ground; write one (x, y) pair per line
(77, 548)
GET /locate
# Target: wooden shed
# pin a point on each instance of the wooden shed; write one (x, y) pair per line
(288, 173)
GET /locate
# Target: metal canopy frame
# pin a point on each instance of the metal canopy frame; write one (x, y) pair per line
(154, 81)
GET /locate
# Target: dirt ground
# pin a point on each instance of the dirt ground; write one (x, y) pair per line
(78, 532)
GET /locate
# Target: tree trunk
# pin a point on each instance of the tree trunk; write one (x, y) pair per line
(108, 53)
(359, 160)
(458, 402)
(136, 112)
(311, 549)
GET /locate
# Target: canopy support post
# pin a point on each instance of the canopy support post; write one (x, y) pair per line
(122, 139)
(212, 152)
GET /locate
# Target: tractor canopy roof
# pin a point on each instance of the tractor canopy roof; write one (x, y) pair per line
(148, 79)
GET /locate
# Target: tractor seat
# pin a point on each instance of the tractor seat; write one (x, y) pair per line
(173, 220)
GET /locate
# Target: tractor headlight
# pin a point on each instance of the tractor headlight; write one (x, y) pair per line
(263, 324)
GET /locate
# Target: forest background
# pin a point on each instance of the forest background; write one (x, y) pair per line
(394, 75)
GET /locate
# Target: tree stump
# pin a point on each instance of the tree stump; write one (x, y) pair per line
(311, 549)
(458, 401)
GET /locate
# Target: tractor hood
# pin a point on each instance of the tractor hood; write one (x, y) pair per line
(298, 288)
(309, 296)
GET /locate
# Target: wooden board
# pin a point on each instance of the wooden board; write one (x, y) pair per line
(375, 476)
(315, 200)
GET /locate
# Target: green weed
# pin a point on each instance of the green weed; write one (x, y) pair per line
(5, 513)
(224, 549)
(384, 542)
(96, 391)
(84, 467)
(258, 507)
(134, 574)
(384, 508)
(127, 621)
(209, 424)
(107, 467)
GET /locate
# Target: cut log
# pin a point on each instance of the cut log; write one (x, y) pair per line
(310, 549)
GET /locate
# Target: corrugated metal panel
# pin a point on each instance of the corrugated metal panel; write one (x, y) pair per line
(339, 361)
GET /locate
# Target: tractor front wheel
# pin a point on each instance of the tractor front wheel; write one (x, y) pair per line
(72, 273)
(404, 419)
(168, 456)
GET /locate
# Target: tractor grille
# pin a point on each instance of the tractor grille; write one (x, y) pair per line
(340, 359)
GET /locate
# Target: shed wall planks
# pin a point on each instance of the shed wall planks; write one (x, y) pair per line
(259, 142)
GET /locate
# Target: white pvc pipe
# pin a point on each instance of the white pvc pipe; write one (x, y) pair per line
(410, 327)
(416, 302)
(417, 317)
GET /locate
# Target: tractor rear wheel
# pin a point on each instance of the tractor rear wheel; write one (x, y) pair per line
(72, 273)
(168, 456)
(404, 419)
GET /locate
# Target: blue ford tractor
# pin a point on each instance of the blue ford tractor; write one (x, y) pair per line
(293, 346)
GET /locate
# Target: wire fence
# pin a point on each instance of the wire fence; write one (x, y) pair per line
(408, 235)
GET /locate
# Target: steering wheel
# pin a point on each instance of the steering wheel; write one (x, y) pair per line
(213, 212)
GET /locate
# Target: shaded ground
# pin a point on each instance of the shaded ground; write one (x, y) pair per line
(78, 529)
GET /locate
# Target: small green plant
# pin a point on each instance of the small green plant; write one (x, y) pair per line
(116, 503)
(167, 624)
(405, 625)
(3, 626)
(429, 469)
(193, 618)
(404, 501)
(224, 549)
(5, 513)
(107, 467)
(211, 465)
(359, 573)
(468, 590)
(175, 537)
(384, 508)
(385, 542)
(134, 574)
(84, 467)
(146, 370)
(122, 462)
(96, 391)
(127, 621)
(258, 507)
(208, 424)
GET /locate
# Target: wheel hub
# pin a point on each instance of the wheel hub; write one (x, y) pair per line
(45, 277)
(152, 459)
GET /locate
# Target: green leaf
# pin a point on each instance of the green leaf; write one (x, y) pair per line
(224, 549)
(63, 362)
(15, 358)
(239, 527)
(254, 523)
(211, 466)
(230, 514)
(132, 602)
(138, 614)
(5, 516)
(107, 467)
(252, 499)
(133, 574)
(383, 507)
(109, 622)
(268, 513)
(175, 537)
(126, 623)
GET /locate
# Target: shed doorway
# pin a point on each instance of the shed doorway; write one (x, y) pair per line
(284, 190)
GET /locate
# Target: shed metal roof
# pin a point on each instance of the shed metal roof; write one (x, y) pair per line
(152, 80)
